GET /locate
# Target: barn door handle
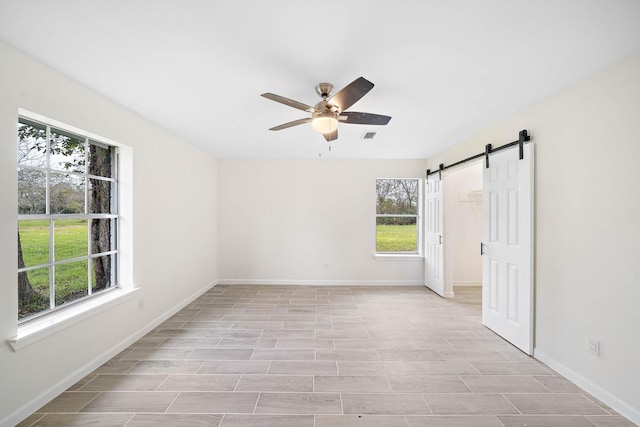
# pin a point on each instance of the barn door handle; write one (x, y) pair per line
(481, 248)
(440, 238)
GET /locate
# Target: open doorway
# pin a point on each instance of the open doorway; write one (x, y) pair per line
(463, 228)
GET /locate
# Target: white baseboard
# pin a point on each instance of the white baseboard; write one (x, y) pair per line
(623, 408)
(467, 283)
(53, 391)
(319, 282)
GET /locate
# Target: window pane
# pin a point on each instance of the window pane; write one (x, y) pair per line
(71, 281)
(66, 195)
(70, 238)
(32, 193)
(396, 234)
(100, 160)
(100, 196)
(67, 151)
(101, 232)
(33, 243)
(397, 196)
(33, 292)
(32, 145)
(101, 273)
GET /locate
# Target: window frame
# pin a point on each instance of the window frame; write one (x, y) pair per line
(417, 216)
(48, 169)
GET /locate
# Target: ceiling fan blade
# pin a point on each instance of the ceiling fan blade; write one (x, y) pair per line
(287, 101)
(354, 117)
(291, 124)
(351, 93)
(331, 136)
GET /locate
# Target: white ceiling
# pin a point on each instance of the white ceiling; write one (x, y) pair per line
(442, 69)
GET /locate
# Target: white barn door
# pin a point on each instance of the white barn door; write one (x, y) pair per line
(433, 241)
(507, 269)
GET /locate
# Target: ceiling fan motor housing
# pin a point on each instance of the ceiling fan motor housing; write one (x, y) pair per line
(324, 107)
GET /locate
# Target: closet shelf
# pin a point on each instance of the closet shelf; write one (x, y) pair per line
(473, 196)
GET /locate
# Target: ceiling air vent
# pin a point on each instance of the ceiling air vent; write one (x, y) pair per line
(369, 135)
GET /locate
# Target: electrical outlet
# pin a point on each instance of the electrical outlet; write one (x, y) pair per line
(593, 346)
(140, 304)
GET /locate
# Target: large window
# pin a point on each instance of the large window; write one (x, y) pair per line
(397, 216)
(67, 217)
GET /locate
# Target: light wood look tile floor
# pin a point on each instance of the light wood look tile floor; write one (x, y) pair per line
(320, 356)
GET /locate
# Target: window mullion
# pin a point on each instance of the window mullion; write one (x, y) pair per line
(89, 267)
(87, 184)
(52, 289)
(52, 271)
(115, 171)
(47, 197)
(85, 176)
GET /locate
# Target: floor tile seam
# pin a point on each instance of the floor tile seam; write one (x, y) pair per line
(465, 383)
(235, 387)
(543, 366)
(255, 406)
(157, 388)
(199, 367)
(586, 417)
(539, 382)
(507, 356)
(90, 400)
(587, 396)
(317, 393)
(504, 375)
(84, 413)
(130, 419)
(596, 425)
(424, 399)
(341, 405)
(512, 404)
(38, 419)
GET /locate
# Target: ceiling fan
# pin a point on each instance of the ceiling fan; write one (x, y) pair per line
(326, 114)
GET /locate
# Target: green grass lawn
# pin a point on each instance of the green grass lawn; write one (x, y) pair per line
(396, 238)
(70, 241)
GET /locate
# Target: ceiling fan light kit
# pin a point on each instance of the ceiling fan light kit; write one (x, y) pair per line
(324, 122)
(326, 114)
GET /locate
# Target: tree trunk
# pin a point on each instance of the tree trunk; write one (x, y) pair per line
(100, 202)
(101, 242)
(25, 291)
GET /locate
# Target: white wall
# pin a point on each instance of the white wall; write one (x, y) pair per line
(306, 222)
(587, 236)
(174, 221)
(463, 226)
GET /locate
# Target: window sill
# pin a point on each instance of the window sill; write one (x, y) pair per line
(38, 329)
(396, 257)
